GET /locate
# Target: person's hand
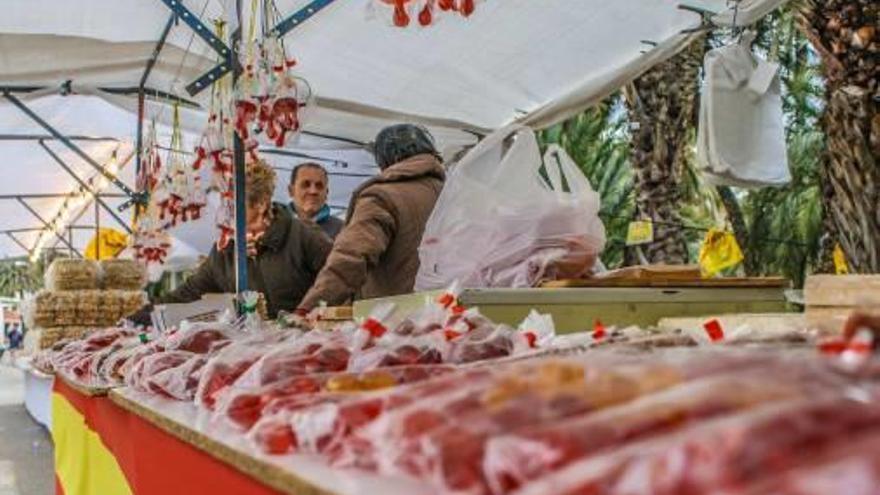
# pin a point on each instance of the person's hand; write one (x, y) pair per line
(858, 321)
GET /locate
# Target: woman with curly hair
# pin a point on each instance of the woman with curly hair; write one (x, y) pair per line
(284, 254)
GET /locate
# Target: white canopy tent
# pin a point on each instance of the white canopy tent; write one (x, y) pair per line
(534, 61)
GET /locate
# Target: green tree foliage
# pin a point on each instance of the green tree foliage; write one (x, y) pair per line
(783, 224)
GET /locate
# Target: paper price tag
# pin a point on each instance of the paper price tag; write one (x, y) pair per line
(640, 232)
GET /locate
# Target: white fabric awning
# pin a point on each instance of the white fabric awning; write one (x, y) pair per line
(534, 61)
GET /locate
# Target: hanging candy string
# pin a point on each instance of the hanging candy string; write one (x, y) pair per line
(151, 243)
(425, 11)
(268, 97)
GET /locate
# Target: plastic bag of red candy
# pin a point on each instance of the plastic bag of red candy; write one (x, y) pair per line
(318, 423)
(242, 408)
(233, 360)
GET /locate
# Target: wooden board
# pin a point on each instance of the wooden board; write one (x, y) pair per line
(84, 389)
(338, 313)
(749, 282)
(842, 290)
(827, 319)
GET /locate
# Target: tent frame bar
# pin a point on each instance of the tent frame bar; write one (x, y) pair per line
(39, 229)
(139, 147)
(15, 197)
(20, 244)
(155, 94)
(48, 227)
(97, 198)
(47, 137)
(71, 145)
(280, 30)
(198, 27)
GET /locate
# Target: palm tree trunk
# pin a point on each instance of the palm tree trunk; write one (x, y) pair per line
(661, 108)
(845, 33)
(740, 229)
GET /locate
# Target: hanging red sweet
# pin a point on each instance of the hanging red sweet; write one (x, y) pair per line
(403, 10)
(426, 16)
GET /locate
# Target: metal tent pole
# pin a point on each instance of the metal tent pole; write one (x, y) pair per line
(241, 261)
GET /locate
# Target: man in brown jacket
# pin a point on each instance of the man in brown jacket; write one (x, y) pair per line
(376, 254)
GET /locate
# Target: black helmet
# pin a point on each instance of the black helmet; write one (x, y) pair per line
(396, 143)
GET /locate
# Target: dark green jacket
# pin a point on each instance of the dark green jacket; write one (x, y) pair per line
(289, 258)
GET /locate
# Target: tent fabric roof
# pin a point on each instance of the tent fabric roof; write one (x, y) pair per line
(533, 61)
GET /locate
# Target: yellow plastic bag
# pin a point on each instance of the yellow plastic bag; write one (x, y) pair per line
(719, 252)
(840, 265)
(111, 243)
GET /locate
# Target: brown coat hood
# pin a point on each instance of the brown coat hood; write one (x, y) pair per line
(376, 254)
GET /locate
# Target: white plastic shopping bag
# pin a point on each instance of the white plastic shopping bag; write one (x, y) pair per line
(741, 137)
(500, 223)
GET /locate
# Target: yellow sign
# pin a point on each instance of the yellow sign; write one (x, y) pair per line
(640, 232)
(719, 252)
(840, 265)
(111, 243)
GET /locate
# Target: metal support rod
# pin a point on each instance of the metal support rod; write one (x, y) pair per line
(280, 30)
(241, 260)
(70, 237)
(40, 229)
(152, 93)
(85, 186)
(157, 50)
(20, 244)
(97, 232)
(69, 144)
(198, 27)
(50, 196)
(49, 227)
(46, 137)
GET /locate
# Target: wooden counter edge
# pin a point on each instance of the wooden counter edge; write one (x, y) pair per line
(82, 388)
(270, 475)
(611, 283)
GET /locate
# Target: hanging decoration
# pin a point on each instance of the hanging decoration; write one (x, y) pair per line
(180, 197)
(269, 98)
(425, 12)
(151, 241)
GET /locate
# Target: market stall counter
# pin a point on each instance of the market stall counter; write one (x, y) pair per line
(574, 309)
(103, 448)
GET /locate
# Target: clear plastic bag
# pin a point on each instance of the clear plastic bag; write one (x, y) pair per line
(500, 223)
(234, 360)
(722, 456)
(513, 459)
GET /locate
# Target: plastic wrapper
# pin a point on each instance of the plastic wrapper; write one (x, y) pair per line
(851, 467)
(178, 382)
(313, 353)
(243, 408)
(227, 366)
(724, 455)
(123, 274)
(75, 359)
(406, 440)
(513, 459)
(203, 338)
(325, 429)
(151, 366)
(72, 274)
